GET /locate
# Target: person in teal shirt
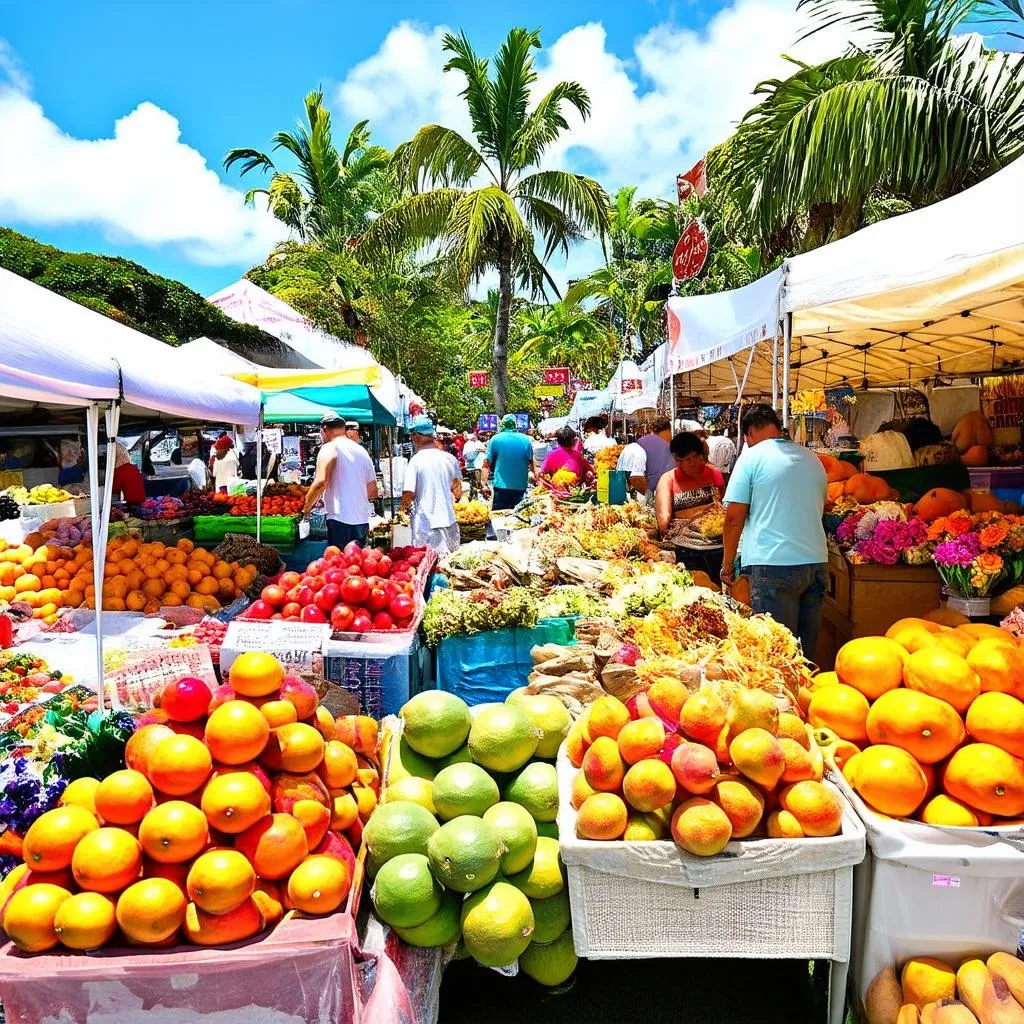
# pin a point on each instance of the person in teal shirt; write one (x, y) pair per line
(775, 499)
(508, 465)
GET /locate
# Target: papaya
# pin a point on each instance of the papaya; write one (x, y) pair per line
(884, 997)
(986, 777)
(971, 979)
(924, 726)
(997, 1003)
(939, 502)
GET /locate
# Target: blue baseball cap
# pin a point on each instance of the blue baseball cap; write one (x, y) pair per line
(423, 425)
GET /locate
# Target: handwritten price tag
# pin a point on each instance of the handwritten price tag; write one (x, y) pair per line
(299, 646)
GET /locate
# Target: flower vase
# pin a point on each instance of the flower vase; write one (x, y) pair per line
(972, 607)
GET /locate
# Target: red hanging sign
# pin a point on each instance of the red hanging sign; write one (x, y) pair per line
(631, 384)
(556, 375)
(691, 252)
(479, 379)
(693, 182)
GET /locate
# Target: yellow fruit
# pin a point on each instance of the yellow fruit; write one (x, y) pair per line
(151, 911)
(30, 916)
(318, 885)
(924, 726)
(942, 674)
(106, 860)
(80, 793)
(220, 880)
(234, 801)
(841, 708)
(173, 832)
(85, 921)
(871, 664)
(889, 779)
(51, 839)
(927, 980)
(123, 797)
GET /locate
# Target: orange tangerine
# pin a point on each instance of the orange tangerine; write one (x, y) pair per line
(85, 921)
(124, 797)
(51, 839)
(234, 801)
(318, 885)
(179, 764)
(30, 915)
(220, 880)
(106, 860)
(151, 911)
(174, 832)
(236, 732)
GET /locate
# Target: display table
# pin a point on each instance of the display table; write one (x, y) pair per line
(767, 898)
(865, 600)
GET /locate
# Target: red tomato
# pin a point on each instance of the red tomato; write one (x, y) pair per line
(273, 595)
(293, 595)
(402, 607)
(385, 566)
(291, 610)
(383, 621)
(341, 618)
(277, 615)
(315, 583)
(353, 558)
(312, 614)
(352, 547)
(335, 576)
(377, 599)
(315, 567)
(354, 570)
(328, 597)
(355, 590)
(289, 580)
(259, 610)
(362, 623)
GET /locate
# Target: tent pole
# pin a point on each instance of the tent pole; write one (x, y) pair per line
(787, 342)
(775, 370)
(92, 431)
(259, 475)
(672, 401)
(113, 419)
(391, 472)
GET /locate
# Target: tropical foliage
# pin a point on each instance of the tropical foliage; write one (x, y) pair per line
(477, 200)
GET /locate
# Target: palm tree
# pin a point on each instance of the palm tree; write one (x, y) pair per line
(329, 197)
(474, 199)
(565, 334)
(917, 115)
(639, 228)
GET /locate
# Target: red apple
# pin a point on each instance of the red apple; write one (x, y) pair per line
(341, 617)
(362, 623)
(336, 576)
(385, 566)
(289, 580)
(355, 590)
(331, 551)
(354, 570)
(273, 595)
(383, 621)
(312, 614)
(377, 599)
(402, 607)
(259, 610)
(305, 596)
(353, 548)
(186, 699)
(315, 567)
(291, 609)
(328, 597)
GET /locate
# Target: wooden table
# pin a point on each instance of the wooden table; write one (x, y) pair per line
(865, 600)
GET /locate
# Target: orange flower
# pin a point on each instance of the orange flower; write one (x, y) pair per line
(989, 563)
(958, 523)
(993, 535)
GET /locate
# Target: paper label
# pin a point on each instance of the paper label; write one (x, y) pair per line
(299, 646)
(142, 673)
(946, 881)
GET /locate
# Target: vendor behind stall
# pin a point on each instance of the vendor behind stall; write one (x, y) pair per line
(686, 491)
(225, 463)
(566, 456)
(433, 484)
(647, 459)
(129, 486)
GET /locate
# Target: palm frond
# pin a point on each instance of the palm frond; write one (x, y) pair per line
(514, 74)
(251, 160)
(412, 222)
(555, 226)
(358, 139)
(439, 155)
(479, 92)
(546, 122)
(480, 221)
(285, 201)
(583, 199)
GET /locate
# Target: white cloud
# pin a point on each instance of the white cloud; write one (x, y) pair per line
(142, 185)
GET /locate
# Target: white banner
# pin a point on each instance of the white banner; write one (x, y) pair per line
(702, 329)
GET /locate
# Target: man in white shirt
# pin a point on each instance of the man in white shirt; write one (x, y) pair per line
(596, 436)
(346, 479)
(432, 486)
(721, 453)
(647, 459)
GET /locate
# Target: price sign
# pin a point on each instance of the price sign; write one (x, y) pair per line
(522, 421)
(488, 421)
(632, 384)
(273, 440)
(299, 646)
(142, 671)
(556, 375)
(479, 379)
(690, 253)
(548, 390)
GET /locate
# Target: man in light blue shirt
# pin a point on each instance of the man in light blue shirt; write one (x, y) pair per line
(508, 465)
(775, 499)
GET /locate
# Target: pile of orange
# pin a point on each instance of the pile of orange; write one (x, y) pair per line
(210, 839)
(930, 720)
(137, 577)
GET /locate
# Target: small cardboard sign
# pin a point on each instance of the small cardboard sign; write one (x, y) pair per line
(145, 670)
(299, 646)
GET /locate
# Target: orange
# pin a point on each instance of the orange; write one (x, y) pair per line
(602, 816)
(124, 797)
(318, 885)
(943, 674)
(890, 780)
(176, 873)
(173, 832)
(339, 765)
(998, 718)
(51, 839)
(234, 801)
(80, 793)
(236, 732)
(220, 880)
(315, 819)
(924, 726)
(296, 747)
(986, 777)
(276, 844)
(85, 921)
(241, 923)
(30, 915)
(151, 911)
(841, 708)
(255, 674)
(279, 712)
(107, 860)
(179, 765)
(872, 664)
(135, 601)
(140, 746)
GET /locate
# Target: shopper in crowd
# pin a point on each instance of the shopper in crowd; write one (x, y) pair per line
(775, 500)
(348, 482)
(129, 486)
(432, 486)
(648, 459)
(508, 465)
(197, 471)
(565, 456)
(721, 453)
(225, 463)
(473, 452)
(595, 430)
(686, 491)
(352, 431)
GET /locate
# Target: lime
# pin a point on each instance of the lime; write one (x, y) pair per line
(405, 893)
(502, 738)
(465, 853)
(536, 789)
(544, 876)
(399, 826)
(550, 963)
(497, 924)
(551, 717)
(551, 917)
(463, 789)
(442, 929)
(518, 833)
(436, 723)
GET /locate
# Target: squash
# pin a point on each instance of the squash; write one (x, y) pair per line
(827, 461)
(938, 502)
(972, 431)
(835, 491)
(841, 472)
(983, 501)
(976, 455)
(867, 488)
(1003, 604)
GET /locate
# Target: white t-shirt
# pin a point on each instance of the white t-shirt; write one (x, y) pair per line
(345, 498)
(633, 460)
(225, 471)
(721, 452)
(473, 453)
(593, 443)
(429, 477)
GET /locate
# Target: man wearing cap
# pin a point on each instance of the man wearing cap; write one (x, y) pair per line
(225, 463)
(352, 431)
(346, 479)
(508, 465)
(432, 486)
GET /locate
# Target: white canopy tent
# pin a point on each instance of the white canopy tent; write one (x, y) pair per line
(56, 354)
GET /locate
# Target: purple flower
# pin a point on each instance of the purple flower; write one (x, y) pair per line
(959, 552)
(889, 539)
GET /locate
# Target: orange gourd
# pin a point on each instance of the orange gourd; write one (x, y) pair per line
(867, 488)
(938, 502)
(976, 455)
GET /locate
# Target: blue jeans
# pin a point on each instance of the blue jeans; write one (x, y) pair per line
(340, 534)
(792, 595)
(506, 497)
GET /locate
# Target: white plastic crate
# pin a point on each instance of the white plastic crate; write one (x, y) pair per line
(54, 510)
(781, 898)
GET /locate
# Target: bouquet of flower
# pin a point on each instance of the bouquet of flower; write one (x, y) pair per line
(978, 554)
(565, 479)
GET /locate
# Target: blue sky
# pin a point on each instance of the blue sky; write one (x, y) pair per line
(115, 115)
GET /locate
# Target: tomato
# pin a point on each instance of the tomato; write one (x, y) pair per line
(335, 576)
(305, 596)
(315, 583)
(341, 618)
(293, 596)
(315, 567)
(259, 610)
(355, 590)
(273, 595)
(383, 621)
(354, 558)
(353, 570)
(289, 580)
(312, 614)
(377, 599)
(402, 607)
(385, 566)
(328, 597)
(362, 622)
